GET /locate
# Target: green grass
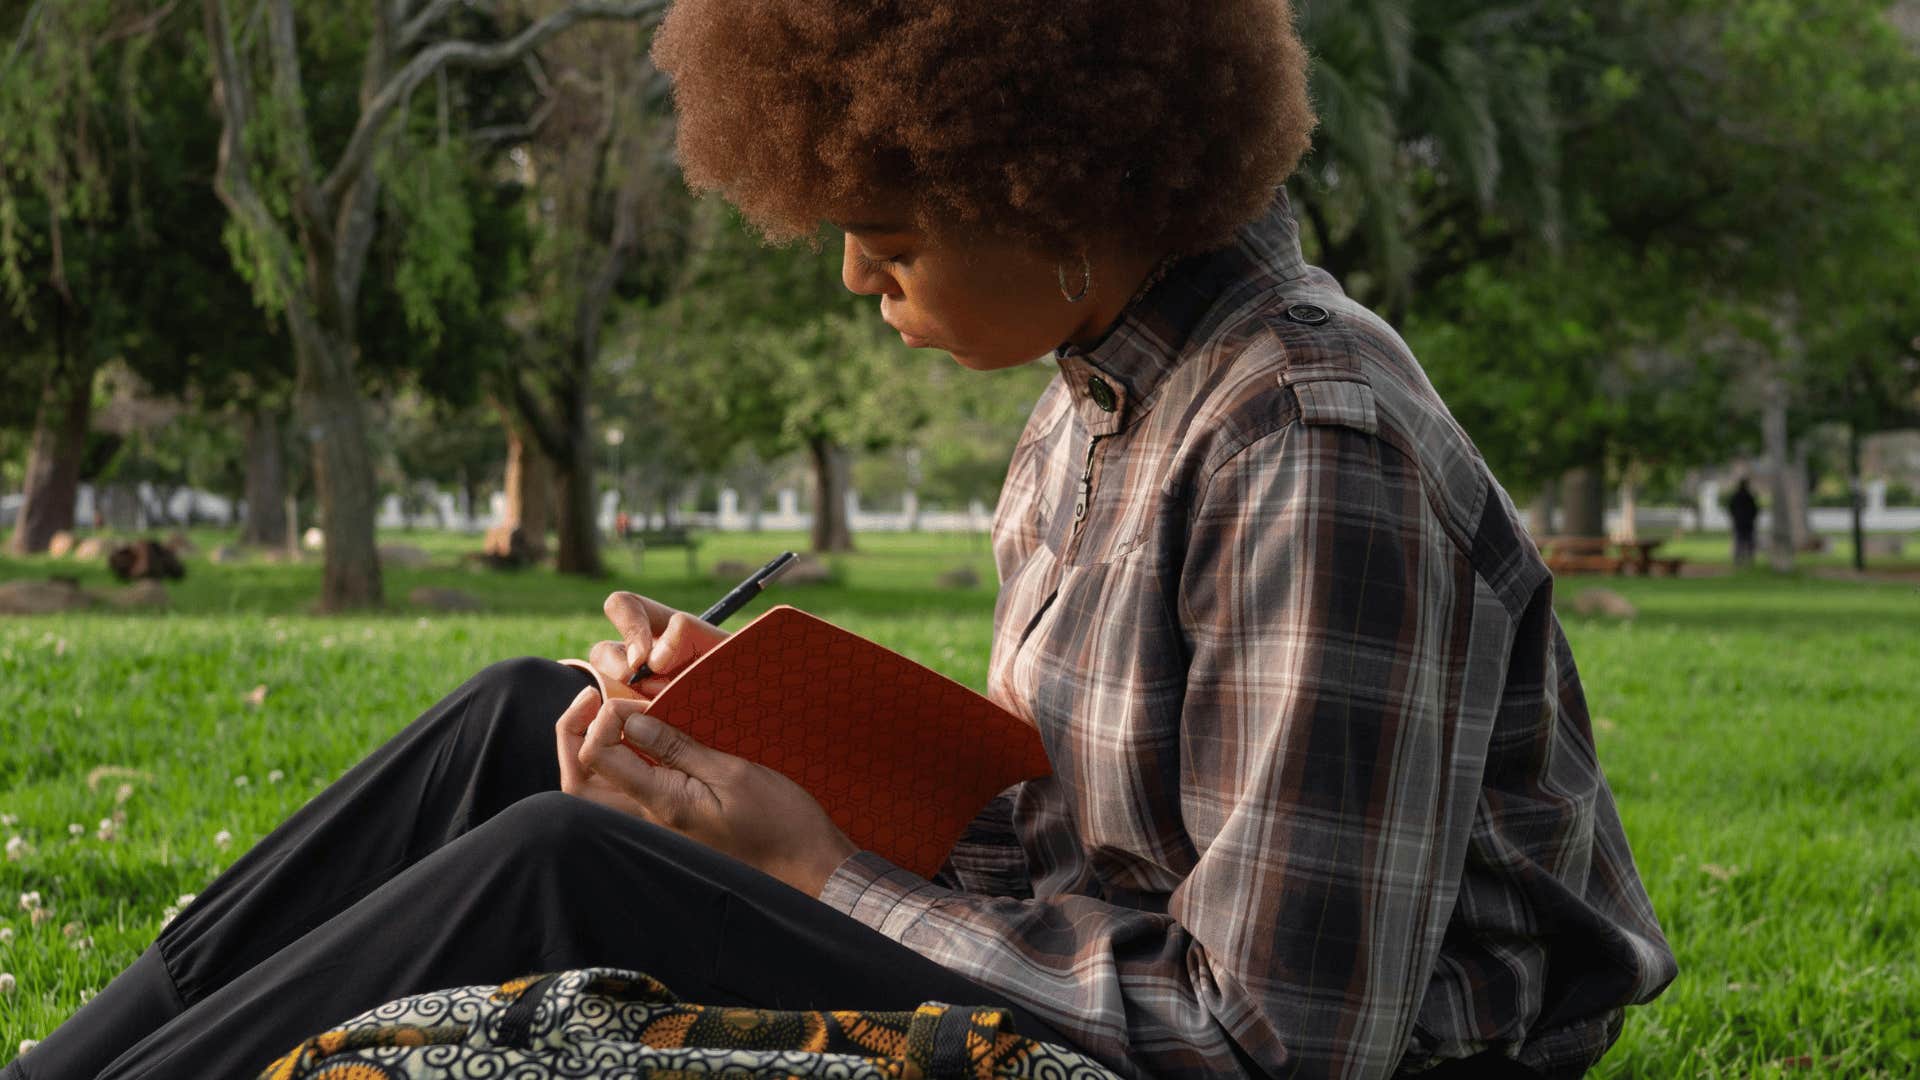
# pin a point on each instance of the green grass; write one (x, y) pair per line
(1759, 732)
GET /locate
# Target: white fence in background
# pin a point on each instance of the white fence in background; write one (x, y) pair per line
(444, 511)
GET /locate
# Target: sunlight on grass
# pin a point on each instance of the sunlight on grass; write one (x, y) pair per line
(1759, 733)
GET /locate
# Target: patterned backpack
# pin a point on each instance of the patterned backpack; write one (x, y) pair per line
(622, 1025)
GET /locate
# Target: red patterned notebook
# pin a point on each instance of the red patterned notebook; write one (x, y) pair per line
(901, 757)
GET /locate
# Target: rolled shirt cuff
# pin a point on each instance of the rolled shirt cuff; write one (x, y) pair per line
(880, 894)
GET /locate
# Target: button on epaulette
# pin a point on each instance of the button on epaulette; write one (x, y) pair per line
(1307, 314)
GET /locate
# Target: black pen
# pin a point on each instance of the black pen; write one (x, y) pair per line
(733, 601)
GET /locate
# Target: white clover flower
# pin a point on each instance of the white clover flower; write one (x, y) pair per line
(76, 830)
(7, 982)
(40, 915)
(187, 898)
(82, 945)
(16, 849)
(6, 934)
(122, 793)
(28, 1044)
(107, 829)
(8, 821)
(276, 776)
(241, 781)
(72, 929)
(222, 838)
(88, 995)
(29, 901)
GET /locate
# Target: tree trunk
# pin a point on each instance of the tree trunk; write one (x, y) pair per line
(53, 461)
(1583, 499)
(832, 470)
(1629, 508)
(1540, 512)
(266, 493)
(1800, 492)
(529, 484)
(1856, 498)
(579, 533)
(328, 396)
(1773, 428)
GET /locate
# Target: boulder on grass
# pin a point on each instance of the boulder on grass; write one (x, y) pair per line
(1883, 546)
(806, 570)
(1603, 602)
(960, 577)
(435, 599)
(733, 571)
(90, 549)
(404, 557)
(140, 596)
(42, 597)
(60, 545)
(145, 560)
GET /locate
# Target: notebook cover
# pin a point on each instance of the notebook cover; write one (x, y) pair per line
(901, 757)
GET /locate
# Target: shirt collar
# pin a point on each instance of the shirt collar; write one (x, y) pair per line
(1114, 382)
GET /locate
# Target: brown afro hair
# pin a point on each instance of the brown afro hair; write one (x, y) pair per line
(1162, 124)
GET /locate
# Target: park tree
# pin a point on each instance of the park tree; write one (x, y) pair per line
(765, 346)
(606, 224)
(104, 250)
(302, 175)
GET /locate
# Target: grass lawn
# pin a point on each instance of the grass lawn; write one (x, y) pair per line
(1759, 732)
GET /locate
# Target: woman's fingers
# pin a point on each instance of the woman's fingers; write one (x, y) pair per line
(569, 731)
(676, 791)
(639, 621)
(683, 641)
(609, 658)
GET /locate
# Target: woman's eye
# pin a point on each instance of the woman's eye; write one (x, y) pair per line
(873, 263)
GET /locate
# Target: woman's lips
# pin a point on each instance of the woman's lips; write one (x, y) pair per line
(913, 342)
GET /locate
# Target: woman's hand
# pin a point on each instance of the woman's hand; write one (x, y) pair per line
(654, 634)
(728, 803)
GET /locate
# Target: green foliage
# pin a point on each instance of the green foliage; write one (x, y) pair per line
(429, 194)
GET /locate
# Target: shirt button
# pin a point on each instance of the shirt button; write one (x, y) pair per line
(1307, 314)
(1079, 509)
(1102, 393)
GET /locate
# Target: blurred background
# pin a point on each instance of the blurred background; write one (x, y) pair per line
(399, 312)
(274, 265)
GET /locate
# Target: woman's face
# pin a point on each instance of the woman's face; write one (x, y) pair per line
(989, 303)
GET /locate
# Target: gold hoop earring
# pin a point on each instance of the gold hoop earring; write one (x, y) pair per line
(1086, 279)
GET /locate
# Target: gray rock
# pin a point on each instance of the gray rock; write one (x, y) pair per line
(1884, 546)
(734, 571)
(41, 597)
(404, 557)
(806, 570)
(960, 577)
(140, 596)
(1603, 602)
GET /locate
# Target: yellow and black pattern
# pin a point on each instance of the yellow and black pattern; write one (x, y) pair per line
(614, 1024)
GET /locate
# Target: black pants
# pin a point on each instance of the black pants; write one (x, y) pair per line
(449, 858)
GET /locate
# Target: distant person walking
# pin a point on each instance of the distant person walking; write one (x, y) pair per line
(1745, 511)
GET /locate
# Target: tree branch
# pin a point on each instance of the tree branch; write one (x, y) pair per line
(289, 95)
(421, 23)
(376, 113)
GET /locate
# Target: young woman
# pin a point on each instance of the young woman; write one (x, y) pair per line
(1325, 799)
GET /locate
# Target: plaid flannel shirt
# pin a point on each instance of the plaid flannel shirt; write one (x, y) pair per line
(1325, 799)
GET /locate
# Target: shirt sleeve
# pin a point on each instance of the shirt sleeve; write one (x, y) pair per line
(1321, 604)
